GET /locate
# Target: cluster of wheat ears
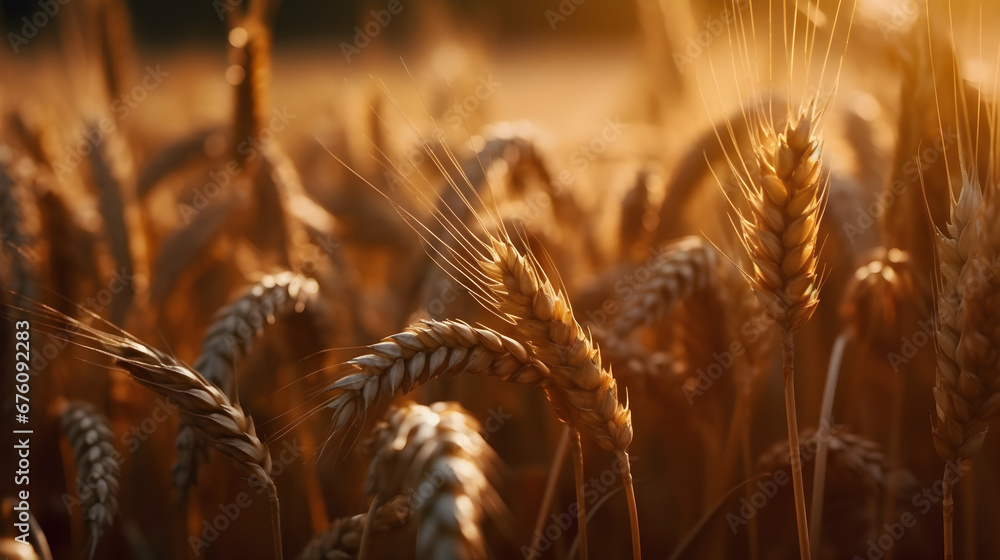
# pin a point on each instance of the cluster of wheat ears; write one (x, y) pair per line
(842, 207)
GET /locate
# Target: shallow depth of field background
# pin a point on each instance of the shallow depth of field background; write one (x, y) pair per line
(609, 93)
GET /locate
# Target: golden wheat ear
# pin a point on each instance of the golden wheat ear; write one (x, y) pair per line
(513, 286)
(438, 456)
(780, 230)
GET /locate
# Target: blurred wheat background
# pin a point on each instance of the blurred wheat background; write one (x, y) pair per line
(265, 191)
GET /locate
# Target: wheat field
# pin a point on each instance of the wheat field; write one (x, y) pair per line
(449, 280)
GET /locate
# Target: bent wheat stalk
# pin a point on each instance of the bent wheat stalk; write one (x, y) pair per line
(202, 405)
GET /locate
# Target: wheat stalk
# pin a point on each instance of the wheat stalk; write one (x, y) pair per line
(438, 454)
(967, 384)
(202, 405)
(120, 221)
(98, 469)
(786, 196)
(228, 340)
(342, 540)
(514, 286)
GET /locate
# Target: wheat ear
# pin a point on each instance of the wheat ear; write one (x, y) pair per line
(853, 459)
(959, 388)
(342, 540)
(687, 265)
(438, 454)
(786, 196)
(202, 405)
(514, 286)
(97, 466)
(16, 239)
(228, 340)
(425, 351)
(967, 384)
(878, 297)
(584, 394)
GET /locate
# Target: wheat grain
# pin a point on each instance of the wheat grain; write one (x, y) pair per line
(98, 468)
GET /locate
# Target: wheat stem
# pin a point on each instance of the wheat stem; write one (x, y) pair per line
(581, 503)
(788, 355)
(550, 489)
(752, 535)
(272, 495)
(633, 512)
(366, 530)
(948, 510)
(826, 411)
